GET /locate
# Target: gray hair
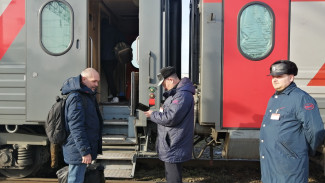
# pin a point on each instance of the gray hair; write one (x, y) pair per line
(88, 72)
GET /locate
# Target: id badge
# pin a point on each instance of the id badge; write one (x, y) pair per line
(275, 116)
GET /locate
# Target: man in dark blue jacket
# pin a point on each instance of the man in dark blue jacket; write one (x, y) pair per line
(175, 122)
(83, 123)
(292, 127)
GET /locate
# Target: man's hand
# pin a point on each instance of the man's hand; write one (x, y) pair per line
(86, 159)
(148, 113)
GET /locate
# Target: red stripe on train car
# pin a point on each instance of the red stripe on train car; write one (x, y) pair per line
(319, 78)
(305, 0)
(11, 22)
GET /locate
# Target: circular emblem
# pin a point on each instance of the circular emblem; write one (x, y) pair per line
(273, 68)
(309, 106)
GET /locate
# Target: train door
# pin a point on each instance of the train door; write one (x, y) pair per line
(56, 50)
(255, 35)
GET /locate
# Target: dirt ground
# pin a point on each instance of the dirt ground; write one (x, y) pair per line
(216, 172)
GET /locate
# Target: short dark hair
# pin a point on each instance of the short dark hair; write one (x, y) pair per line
(167, 71)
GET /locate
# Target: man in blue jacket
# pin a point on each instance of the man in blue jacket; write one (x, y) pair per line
(175, 122)
(291, 129)
(83, 123)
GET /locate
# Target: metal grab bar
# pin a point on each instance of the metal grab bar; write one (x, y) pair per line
(91, 52)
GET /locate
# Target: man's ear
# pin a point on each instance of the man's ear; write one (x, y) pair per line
(83, 79)
(291, 77)
(170, 79)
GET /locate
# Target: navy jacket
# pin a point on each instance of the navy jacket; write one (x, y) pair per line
(176, 123)
(292, 127)
(83, 122)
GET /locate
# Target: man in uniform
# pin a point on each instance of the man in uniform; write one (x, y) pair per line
(291, 129)
(175, 123)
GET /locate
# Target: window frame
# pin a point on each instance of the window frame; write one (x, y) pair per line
(273, 30)
(71, 23)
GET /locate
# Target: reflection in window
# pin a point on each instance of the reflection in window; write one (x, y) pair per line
(256, 31)
(56, 27)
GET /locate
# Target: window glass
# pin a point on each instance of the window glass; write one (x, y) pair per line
(56, 27)
(256, 31)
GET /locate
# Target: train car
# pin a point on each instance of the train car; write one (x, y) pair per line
(232, 45)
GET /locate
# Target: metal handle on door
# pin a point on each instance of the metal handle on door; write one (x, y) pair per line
(149, 67)
(91, 52)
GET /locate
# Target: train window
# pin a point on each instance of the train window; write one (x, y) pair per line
(256, 31)
(56, 27)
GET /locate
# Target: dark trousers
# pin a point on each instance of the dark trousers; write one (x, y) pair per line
(173, 172)
(109, 66)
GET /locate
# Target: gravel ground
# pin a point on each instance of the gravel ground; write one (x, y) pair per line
(218, 171)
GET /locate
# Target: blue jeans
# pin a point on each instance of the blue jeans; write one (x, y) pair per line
(77, 173)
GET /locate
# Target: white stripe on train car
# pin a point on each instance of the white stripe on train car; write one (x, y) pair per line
(3, 5)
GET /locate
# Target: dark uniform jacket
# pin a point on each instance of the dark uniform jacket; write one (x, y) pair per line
(176, 123)
(83, 122)
(292, 127)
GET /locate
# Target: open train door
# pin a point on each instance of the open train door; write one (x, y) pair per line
(56, 50)
(255, 35)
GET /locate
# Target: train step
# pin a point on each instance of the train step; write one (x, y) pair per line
(115, 112)
(118, 140)
(118, 164)
(115, 122)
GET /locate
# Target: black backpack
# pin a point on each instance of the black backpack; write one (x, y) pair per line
(123, 52)
(55, 122)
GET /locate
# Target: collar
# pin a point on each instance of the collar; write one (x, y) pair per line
(288, 89)
(171, 91)
(85, 89)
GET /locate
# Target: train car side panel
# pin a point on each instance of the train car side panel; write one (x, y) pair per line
(57, 49)
(211, 63)
(12, 62)
(307, 44)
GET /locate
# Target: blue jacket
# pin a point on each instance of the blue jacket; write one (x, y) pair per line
(83, 122)
(176, 123)
(292, 127)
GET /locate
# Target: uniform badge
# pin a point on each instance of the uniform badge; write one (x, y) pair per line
(175, 102)
(275, 116)
(309, 106)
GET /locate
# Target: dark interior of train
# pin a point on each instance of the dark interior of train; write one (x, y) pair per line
(118, 23)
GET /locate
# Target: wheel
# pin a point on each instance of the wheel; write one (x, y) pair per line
(28, 170)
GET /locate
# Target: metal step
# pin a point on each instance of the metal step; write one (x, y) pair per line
(118, 173)
(117, 155)
(120, 147)
(115, 112)
(117, 140)
(116, 122)
(118, 164)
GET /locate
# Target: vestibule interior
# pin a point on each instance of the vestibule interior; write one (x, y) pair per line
(123, 16)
